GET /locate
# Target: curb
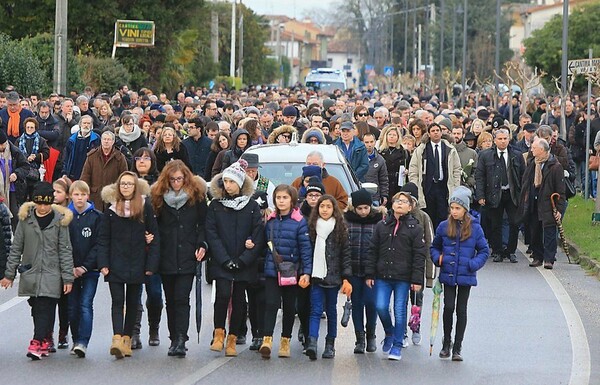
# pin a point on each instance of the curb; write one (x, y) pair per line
(589, 264)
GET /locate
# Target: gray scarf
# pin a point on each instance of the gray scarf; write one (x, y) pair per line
(176, 200)
(129, 137)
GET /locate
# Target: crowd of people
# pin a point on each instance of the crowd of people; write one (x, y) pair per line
(141, 189)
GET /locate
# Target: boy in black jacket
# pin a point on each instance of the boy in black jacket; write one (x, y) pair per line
(84, 235)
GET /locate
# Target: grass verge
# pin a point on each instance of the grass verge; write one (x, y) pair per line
(579, 229)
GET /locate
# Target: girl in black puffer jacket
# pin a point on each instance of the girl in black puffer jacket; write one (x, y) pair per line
(331, 268)
(361, 219)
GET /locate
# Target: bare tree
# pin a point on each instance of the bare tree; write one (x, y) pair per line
(563, 99)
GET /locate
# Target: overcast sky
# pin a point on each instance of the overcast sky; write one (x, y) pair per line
(291, 8)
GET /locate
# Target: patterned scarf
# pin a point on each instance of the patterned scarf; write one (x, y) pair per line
(14, 122)
(236, 203)
(23, 143)
(539, 162)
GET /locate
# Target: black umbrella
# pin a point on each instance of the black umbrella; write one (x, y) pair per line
(561, 231)
(198, 298)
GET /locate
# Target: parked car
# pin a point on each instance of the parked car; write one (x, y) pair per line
(282, 163)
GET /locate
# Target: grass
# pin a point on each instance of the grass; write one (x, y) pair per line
(579, 229)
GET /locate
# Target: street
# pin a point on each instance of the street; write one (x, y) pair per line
(526, 326)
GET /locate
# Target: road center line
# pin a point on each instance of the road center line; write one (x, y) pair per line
(581, 363)
(12, 302)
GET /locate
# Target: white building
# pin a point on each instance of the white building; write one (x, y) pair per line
(344, 55)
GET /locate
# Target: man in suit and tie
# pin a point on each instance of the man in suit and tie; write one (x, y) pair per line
(435, 169)
(498, 186)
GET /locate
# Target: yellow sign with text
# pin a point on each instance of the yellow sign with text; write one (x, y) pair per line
(132, 33)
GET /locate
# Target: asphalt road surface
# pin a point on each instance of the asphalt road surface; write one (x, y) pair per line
(526, 326)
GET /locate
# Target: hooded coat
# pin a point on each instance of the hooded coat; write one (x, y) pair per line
(314, 132)
(84, 235)
(285, 129)
(358, 161)
(228, 229)
(459, 260)
(234, 153)
(122, 244)
(360, 231)
(43, 256)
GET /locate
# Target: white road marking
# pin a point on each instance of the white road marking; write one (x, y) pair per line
(581, 363)
(12, 302)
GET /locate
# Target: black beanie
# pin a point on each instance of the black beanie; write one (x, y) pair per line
(43, 192)
(315, 185)
(361, 197)
(412, 189)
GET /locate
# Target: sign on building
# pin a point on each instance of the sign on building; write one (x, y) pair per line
(134, 33)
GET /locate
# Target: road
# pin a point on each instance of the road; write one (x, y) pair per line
(526, 326)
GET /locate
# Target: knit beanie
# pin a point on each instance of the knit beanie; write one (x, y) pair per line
(361, 197)
(315, 185)
(236, 172)
(328, 103)
(412, 189)
(312, 171)
(462, 196)
(43, 193)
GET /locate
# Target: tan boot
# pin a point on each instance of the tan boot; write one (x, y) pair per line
(218, 340)
(284, 348)
(265, 348)
(116, 349)
(230, 347)
(126, 341)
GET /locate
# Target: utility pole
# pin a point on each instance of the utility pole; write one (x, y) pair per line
(232, 48)
(427, 62)
(405, 36)
(464, 55)
(563, 72)
(214, 35)
(419, 60)
(497, 58)
(60, 48)
(442, 37)
(454, 12)
(415, 69)
(241, 45)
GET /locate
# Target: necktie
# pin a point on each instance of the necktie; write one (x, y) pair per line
(504, 175)
(436, 161)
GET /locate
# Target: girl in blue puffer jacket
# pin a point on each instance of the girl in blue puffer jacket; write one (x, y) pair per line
(288, 240)
(460, 249)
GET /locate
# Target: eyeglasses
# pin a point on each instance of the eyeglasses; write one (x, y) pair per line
(127, 184)
(313, 196)
(363, 114)
(128, 124)
(179, 179)
(144, 158)
(401, 201)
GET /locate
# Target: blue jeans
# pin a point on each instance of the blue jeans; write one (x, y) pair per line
(383, 293)
(81, 307)
(323, 297)
(363, 299)
(153, 286)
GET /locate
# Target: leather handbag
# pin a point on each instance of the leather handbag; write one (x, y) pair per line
(594, 162)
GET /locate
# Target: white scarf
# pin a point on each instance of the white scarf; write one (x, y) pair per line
(324, 228)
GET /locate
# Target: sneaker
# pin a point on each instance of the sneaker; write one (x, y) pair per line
(240, 340)
(395, 354)
(536, 263)
(34, 351)
(72, 350)
(387, 343)
(513, 258)
(44, 348)
(416, 338)
(79, 350)
(405, 341)
(529, 251)
(498, 258)
(548, 265)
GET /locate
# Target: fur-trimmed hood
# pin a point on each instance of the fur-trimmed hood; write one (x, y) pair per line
(314, 132)
(280, 130)
(379, 211)
(109, 193)
(217, 190)
(66, 216)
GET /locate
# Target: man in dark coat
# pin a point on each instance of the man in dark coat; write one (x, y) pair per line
(13, 116)
(543, 177)
(498, 186)
(197, 145)
(48, 124)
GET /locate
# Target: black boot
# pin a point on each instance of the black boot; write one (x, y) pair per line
(154, 314)
(179, 350)
(456, 356)
(446, 346)
(136, 342)
(311, 348)
(359, 345)
(329, 351)
(371, 342)
(171, 351)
